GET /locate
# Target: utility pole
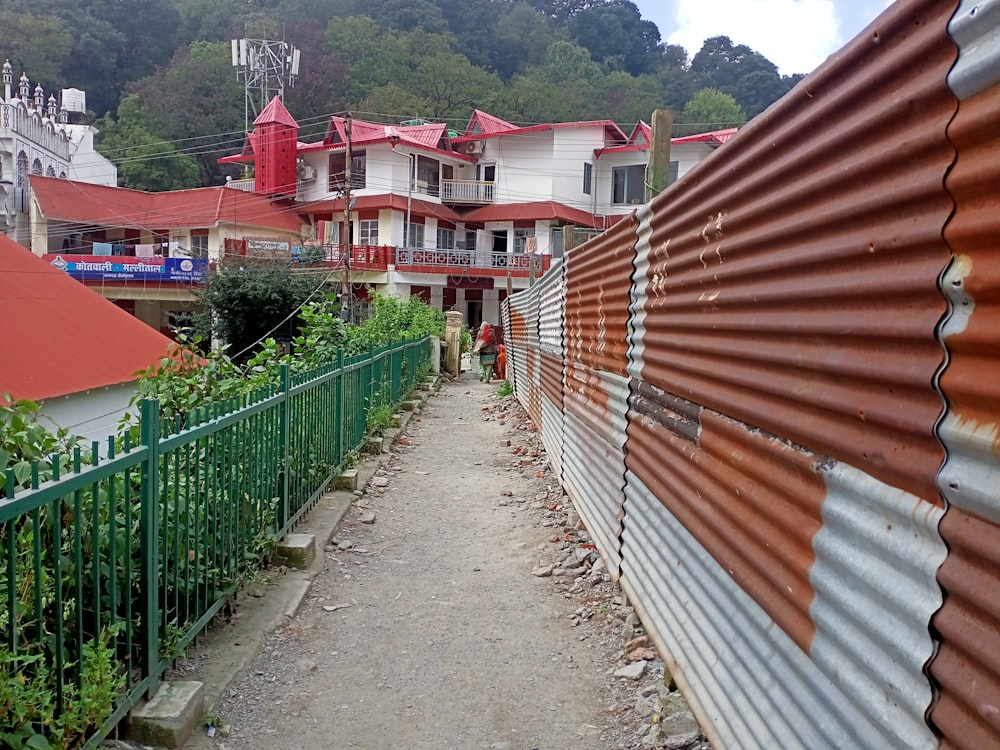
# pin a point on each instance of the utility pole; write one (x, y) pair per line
(348, 304)
(658, 168)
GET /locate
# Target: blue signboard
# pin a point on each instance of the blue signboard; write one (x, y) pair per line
(130, 268)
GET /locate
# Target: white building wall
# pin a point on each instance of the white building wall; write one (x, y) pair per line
(86, 164)
(523, 174)
(94, 415)
(573, 148)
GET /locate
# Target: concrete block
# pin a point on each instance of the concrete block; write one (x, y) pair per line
(170, 717)
(413, 405)
(296, 550)
(374, 445)
(397, 419)
(347, 480)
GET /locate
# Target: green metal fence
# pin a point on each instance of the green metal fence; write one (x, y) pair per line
(108, 571)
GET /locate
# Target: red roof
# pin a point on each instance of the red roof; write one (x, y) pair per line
(427, 136)
(276, 113)
(394, 201)
(483, 126)
(713, 138)
(62, 337)
(542, 210)
(83, 202)
(483, 123)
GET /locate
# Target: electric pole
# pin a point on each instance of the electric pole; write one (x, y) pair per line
(346, 283)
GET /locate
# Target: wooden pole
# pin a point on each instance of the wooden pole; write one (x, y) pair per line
(658, 168)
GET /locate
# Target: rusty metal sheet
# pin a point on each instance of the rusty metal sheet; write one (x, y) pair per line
(749, 684)
(791, 282)
(967, 666)
(598, 279)
(843, 565)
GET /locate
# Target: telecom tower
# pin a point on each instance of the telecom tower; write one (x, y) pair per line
(265, 67)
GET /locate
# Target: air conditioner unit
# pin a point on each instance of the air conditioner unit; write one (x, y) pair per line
(307, 172)
(474, 147)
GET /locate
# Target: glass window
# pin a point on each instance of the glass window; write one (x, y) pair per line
(588, 177)
(672, 175)
(338, 170)
(199, 245)
(446, 239)
(415, 235)
(628, 184)
(521, 239)
(368, 232)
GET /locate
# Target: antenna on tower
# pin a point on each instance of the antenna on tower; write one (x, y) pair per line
(266, 67)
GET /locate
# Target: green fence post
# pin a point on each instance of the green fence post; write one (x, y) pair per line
(149, 546)
(338, 410)
(285, 438)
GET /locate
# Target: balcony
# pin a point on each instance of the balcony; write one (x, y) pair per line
(456, 262)
(467, 191)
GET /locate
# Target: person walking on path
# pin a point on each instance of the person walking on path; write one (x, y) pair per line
(486, 348)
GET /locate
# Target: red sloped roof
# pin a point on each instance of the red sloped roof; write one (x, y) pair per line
(714, 137)
(483, 123)
(84, 202)
(62, 337)
(276, 113)
(542, 210)
(394, 201)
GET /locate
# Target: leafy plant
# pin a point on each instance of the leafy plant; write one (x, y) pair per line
(505, 389)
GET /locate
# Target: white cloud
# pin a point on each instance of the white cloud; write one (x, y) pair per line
(796, 35)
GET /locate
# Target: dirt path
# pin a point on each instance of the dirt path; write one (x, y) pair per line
(427, 628)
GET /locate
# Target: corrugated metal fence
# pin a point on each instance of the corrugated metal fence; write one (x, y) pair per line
(775, 400)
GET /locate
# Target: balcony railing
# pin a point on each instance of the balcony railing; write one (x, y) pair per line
(467, 191)
(432, 260)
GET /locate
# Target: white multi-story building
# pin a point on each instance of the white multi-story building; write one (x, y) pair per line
(456, 219)
(37, 137)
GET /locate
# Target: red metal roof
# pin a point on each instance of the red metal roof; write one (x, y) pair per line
(538, 211)
(67, 200)
(62, 337)
(714, 137)
(276, 112)
(418, 207)
(483, 123)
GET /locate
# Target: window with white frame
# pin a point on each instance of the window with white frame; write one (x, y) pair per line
(199, 244)
(368, 232)
(628, 184)
(446, 238)
(415, 235)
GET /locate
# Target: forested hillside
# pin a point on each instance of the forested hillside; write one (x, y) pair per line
(162, 89)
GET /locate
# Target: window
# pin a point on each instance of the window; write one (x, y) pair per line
(428, 179)
(199, 244)
(628, 184)
(588, 177)
(672, 174)
(446, 239)
(415, 235)
(368, 232)
(521, 238)
(338, 169)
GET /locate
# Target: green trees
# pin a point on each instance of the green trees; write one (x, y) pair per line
(711, 109)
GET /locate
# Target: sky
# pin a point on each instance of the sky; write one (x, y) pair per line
(796, 35)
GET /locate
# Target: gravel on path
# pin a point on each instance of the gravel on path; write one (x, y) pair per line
(461, 605)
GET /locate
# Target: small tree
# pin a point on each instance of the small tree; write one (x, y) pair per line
(710, 109)
(246, 304)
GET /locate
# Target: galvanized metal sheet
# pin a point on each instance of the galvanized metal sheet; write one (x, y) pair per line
(975, 27)
(967, 666)
(516, 338)
(594, 459)
(551, 349)
(749, 684)
(791, 277)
